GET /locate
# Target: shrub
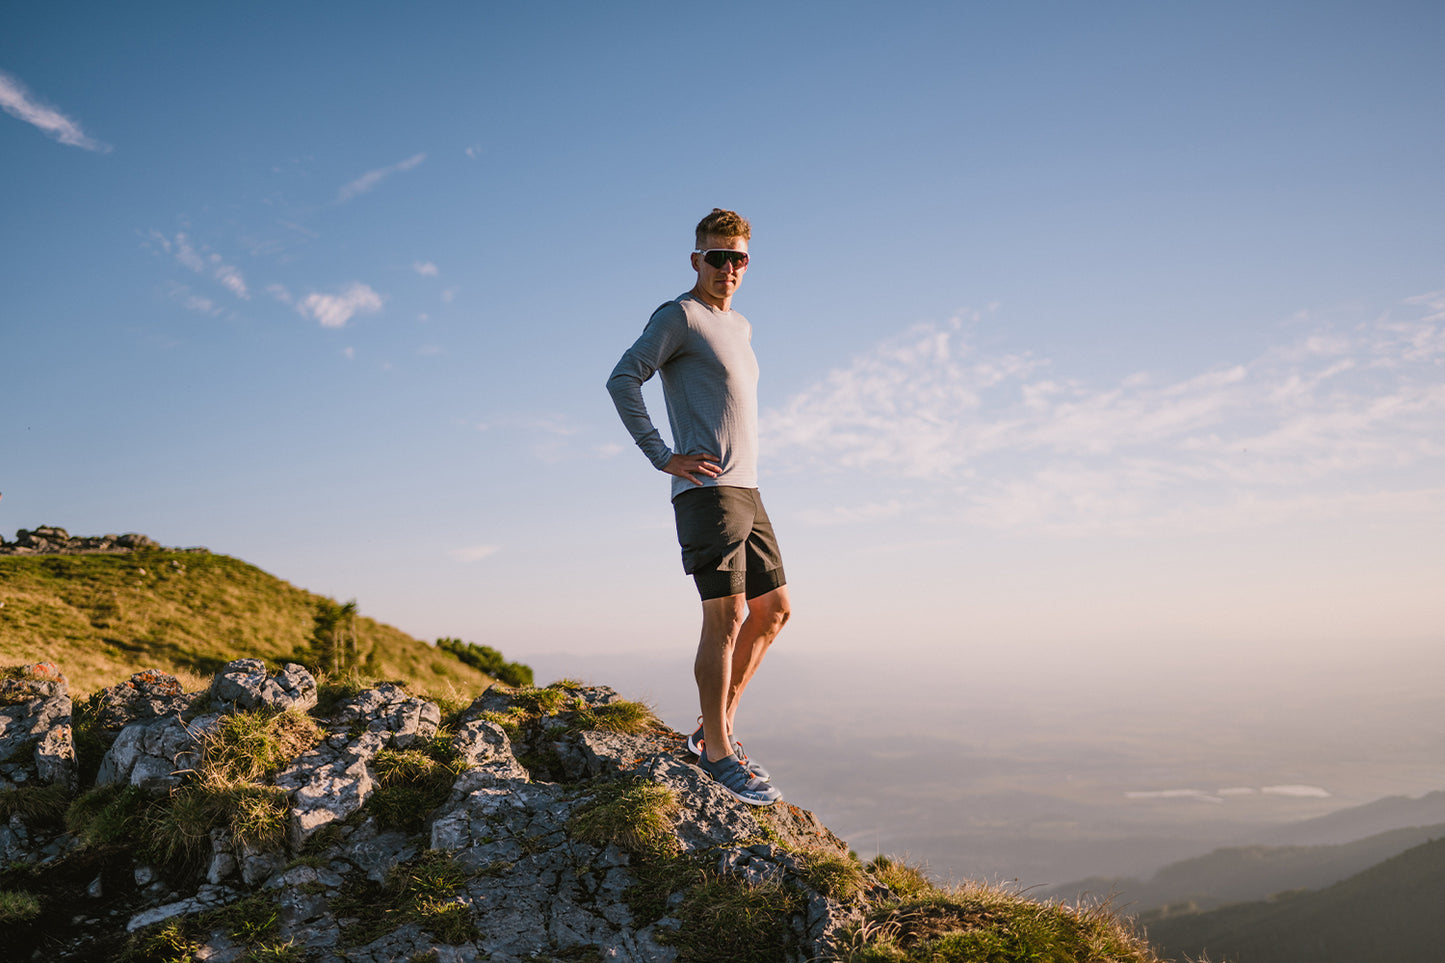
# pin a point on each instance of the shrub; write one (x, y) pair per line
(488, 660)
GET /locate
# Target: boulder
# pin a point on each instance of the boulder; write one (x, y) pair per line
(37, 746)
(245, 685)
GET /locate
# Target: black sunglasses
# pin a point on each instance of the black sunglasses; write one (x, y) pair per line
(718, 256)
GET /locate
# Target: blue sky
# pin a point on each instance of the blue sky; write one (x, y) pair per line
(1102, 334)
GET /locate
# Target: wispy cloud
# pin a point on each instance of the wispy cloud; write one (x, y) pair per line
(186, 254)
(368, 181)
(1333, 421)
(425, 268)
(334, 310)
(19, 103)
(473, 553)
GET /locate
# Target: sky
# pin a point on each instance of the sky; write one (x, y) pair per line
(1097, 340)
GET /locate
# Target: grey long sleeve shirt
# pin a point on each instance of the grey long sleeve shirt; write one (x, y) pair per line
(709, 381)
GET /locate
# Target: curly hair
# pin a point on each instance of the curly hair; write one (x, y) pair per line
(721, 223)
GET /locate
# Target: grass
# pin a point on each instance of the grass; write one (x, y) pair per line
(17, 906)
(421, 890)
(100, 617)
(257, 743)
(410, 783)
(724, 918)
(977, 923)
(637, 816)
(37, 805)
(832, 874)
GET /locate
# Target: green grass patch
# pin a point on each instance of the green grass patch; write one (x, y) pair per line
(638, 816)
(832, 874)
(410, 783)
(257, 743)
(18, 906)
(163, 943)
(107, 815)
(974, 923)
(421, 890)
(906, 882)
(623, 716)
(724, 918)
(37, 805)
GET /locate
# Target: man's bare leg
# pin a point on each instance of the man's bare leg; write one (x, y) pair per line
(728, 654)
(722, 619)
(767, 614)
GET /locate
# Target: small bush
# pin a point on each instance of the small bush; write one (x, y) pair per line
(488, 660)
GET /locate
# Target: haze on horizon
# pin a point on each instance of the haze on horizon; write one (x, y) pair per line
(1100, 347)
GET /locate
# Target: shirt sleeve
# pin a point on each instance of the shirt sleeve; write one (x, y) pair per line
(660, 340)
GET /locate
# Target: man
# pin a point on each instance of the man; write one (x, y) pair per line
(703, 349)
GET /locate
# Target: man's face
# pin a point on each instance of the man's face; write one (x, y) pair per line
(717, 285)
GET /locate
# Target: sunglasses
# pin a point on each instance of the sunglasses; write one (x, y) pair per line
(718, 256)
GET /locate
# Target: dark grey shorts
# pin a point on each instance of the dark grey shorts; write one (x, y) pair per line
(728, 544)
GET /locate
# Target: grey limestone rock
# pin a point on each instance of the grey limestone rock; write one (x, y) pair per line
(245, 684)
(529, 886)
(148, 694)
(156, 755)
(36, 743)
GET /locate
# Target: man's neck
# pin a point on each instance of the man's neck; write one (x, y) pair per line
(723, 304)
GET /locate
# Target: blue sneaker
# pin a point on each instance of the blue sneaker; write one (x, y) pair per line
(696, 747)
(737, 781)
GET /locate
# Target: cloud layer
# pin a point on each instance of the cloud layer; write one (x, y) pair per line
(1334, 421)
(18, 102)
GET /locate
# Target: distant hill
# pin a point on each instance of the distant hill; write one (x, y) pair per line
(1390, 913)
(1358, 822)
(1241, 873)
(104, 616)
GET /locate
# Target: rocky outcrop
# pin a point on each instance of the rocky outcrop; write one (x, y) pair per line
(50, 540)
(410, 833)
(36, 745)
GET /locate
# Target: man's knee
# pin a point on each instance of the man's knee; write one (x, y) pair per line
(773, 610)
(722, 617)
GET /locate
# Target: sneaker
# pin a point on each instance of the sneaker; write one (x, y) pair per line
(696, 747)
(737, 781)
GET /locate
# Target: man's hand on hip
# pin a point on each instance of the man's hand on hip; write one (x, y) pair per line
(689, 466)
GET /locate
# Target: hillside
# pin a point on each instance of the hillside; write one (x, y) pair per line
(255, 813)
(1239, 874)
(1387, 914)
(103, 616)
